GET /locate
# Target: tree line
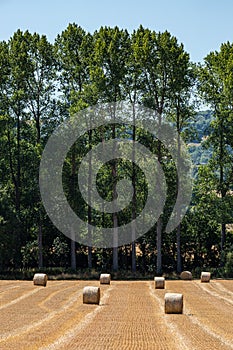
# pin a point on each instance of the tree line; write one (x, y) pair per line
(43, 84)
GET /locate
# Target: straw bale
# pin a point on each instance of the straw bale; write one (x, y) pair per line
(91, 295)
(159, 282)
(40, 279)
(173, 303)
(105, 278)
(186, 275)
(205, 276)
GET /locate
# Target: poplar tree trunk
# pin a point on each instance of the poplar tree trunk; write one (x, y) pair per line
(178, 242)
(89, 213)
(133, 200)
(73, 254)
(72, 242)
(159, 222)
(40, 246)
(159, 246)
(115, 218)
(178, 230)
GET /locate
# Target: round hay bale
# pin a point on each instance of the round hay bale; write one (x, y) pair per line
(173, 303)
(186, 275)
(40, 279)
(159, 282)
(91, 295)
(105, 278)
(205, 276)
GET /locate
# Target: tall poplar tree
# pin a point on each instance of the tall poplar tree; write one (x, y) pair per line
(111, 47)
(159, 56)
(216, 88)
(73, 48)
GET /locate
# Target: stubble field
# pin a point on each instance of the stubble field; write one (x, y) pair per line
(130, 316)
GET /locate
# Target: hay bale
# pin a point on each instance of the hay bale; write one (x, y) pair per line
(91, 295)
(40, 279)
(159, 282)
(173, 303)
(186, 275)
(105, 278)
(205, 276)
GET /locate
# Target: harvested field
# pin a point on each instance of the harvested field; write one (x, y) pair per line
(130, 316)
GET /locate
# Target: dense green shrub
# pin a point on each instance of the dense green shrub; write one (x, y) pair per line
(229, 264)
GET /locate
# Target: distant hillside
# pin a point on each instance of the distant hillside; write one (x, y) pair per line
(201, 127)
(202, 124)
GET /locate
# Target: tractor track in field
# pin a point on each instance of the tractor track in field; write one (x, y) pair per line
(19, 299)
(159, 296)
(51, 314)
(130, 316)
(208, 320)
(48, 314)
(71, 333)
(217, 291)
(131, 320)
(227, 284)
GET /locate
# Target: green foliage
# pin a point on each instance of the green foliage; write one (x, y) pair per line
(229, 264)
(59, 252)
(30, 254)
(215, 87)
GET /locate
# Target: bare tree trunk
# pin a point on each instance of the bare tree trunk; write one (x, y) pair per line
(115, 242)
(72, 243)
(18, 182)
(89, 213)
(89, 257)
(115, 218)
(178, 230)
(134, 204)
(73, 254)
(159, 246)
(133, 246)
(40, 246)
(223, 192)
(178, 242)
(159, 222)
(133, 257)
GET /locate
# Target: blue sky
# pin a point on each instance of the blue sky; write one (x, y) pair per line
(201, 25)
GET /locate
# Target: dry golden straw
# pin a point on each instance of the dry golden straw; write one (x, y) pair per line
(205, 276)
(186, 275)
(40, 279)
(159, 282)
(91, 295)
(105, 278)
(173, 303)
